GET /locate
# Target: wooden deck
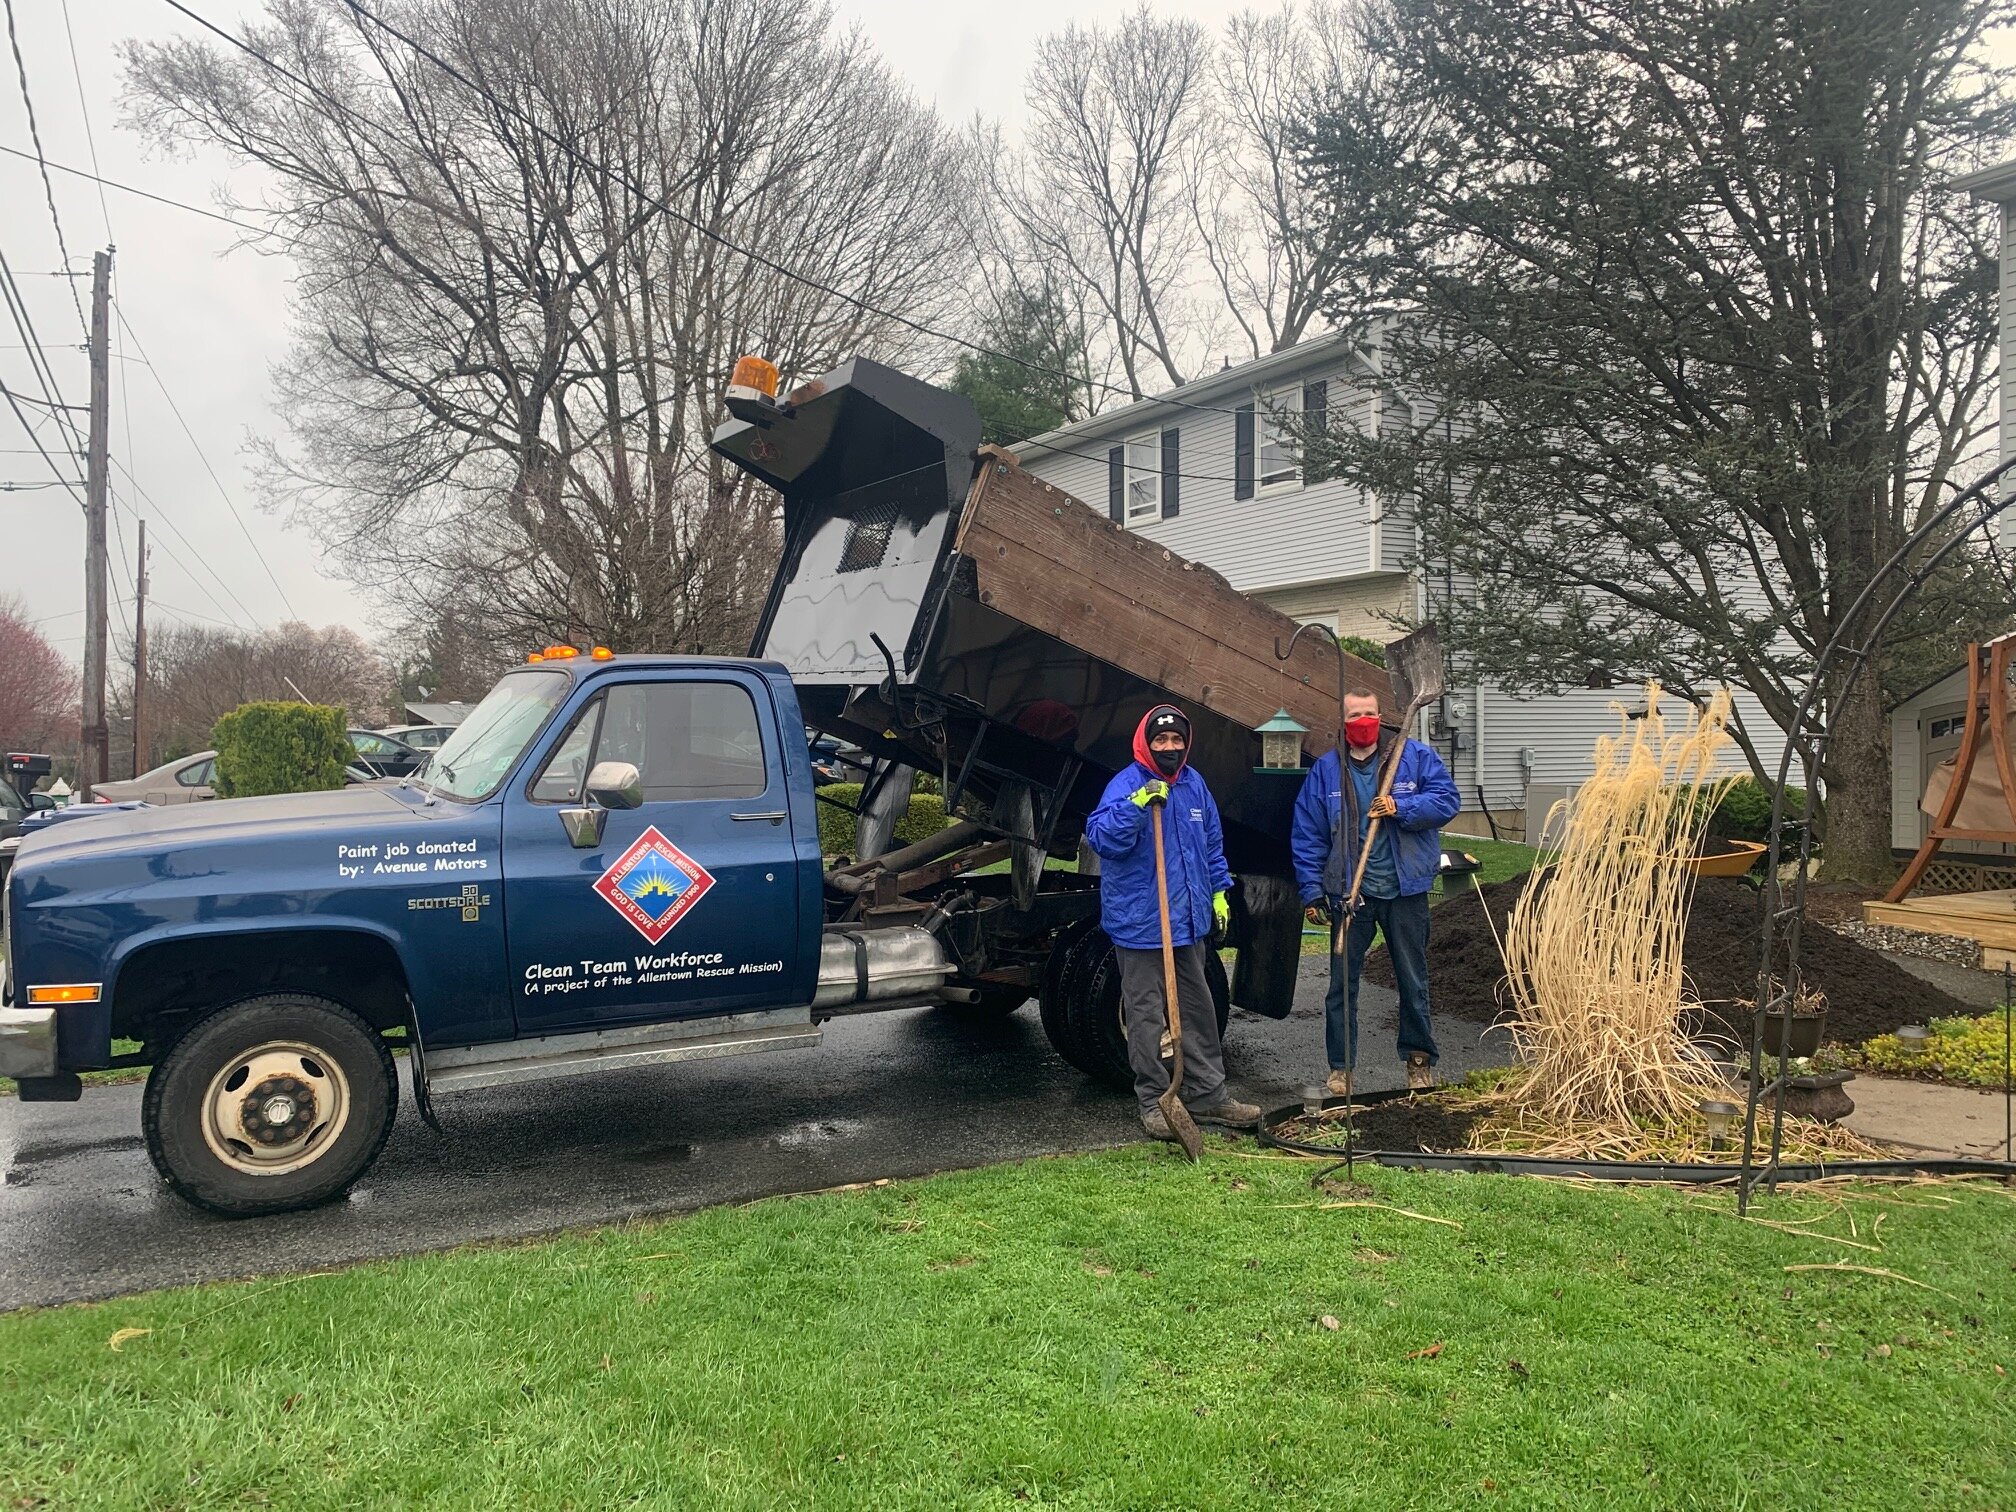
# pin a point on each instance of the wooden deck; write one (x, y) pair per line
(1986, 917)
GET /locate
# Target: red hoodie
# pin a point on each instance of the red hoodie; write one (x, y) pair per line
(1147, 757)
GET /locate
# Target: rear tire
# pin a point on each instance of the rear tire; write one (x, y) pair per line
(1068, 962)
(276, 1103)
(1096, 1026)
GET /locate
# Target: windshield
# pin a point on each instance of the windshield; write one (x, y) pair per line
(486, 746)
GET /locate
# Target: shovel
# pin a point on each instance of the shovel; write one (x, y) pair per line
(1415, 668)
(1181, 1124)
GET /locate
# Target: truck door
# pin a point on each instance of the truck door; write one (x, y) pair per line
(689, 904)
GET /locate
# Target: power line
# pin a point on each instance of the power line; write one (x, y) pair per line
(159, 199)
(35, 136)
(161, 603)
(167, 519)
(13, 403)
(665, 206)
(84, 109)
(38, 361)
(223, 492)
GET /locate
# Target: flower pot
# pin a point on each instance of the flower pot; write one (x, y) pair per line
(1804, 1033)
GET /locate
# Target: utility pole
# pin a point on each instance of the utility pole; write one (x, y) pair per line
(96, 755)
(140, 655)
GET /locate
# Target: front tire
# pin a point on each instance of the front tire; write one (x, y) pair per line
(277, 1103)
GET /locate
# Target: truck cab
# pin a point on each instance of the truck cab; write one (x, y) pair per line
(615, 859)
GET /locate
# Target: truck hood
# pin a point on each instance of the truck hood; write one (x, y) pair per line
(154, 831)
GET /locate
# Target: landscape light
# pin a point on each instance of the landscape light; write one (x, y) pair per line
(1719, 1115)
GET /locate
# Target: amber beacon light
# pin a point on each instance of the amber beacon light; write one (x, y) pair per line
(752, 391)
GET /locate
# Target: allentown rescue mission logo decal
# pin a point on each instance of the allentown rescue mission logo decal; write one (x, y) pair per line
(654, 885)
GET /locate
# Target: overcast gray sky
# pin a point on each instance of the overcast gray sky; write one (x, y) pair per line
(214, 319)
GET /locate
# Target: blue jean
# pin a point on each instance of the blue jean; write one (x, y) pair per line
(1405, 921)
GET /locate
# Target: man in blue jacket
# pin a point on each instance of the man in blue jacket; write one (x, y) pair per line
(1339, 799)
(1120, 830)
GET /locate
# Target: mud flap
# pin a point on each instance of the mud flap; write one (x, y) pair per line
(417, 1054)
(1267, 927)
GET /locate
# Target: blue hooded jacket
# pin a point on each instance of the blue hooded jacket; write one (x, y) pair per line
(1424, 799)
(1119, 830)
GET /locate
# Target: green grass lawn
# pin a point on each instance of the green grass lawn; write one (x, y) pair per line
(1116, 1330)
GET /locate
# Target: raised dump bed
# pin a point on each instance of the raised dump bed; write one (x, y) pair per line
(950, 612)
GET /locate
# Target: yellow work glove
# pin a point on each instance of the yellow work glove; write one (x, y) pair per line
(1221, 910)
(1150, 792)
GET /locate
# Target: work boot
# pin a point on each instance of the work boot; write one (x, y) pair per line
(1339, 1084)
(1230, 1114)
(1157, 1126)
(1420, 1073)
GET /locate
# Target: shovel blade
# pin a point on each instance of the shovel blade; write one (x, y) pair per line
(1415, 667)
(1181, 1124)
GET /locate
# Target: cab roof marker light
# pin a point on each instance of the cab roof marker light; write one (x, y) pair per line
(536, 656)
(601, 653)
(71, 992)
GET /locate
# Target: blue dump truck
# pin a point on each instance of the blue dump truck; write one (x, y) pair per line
(615, 860)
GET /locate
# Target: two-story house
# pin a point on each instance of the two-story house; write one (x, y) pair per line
(1208, 469)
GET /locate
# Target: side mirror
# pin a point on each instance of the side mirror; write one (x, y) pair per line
(616, 785)
(611, 785)
(584, 826)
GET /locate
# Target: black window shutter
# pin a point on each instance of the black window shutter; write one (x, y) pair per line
(1242, 452)
(1170, 476)
(1315, 403)
(1116, 483)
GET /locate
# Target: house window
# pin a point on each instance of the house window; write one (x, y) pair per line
(1144, 477)
(1280, 467)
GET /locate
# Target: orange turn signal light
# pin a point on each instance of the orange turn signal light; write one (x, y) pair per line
(74, 992)
(757, 373)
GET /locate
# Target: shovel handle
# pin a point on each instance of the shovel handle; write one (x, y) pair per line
(1168, 947)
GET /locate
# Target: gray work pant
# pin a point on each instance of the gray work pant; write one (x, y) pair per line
(1141, 1002)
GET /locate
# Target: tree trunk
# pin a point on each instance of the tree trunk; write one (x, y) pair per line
(1857, 839)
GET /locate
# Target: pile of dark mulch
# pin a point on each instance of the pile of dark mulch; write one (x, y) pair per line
(1405, 1123)
(1867, 993)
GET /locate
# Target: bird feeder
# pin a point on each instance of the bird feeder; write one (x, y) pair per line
(1281, 744)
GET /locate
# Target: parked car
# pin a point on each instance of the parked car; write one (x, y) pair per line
(186, 779)
(836, 761)
(424, 738)
(384, 756)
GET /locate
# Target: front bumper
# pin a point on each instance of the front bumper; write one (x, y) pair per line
(27, 1042)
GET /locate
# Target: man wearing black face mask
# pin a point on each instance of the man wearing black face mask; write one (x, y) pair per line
(1120, 831)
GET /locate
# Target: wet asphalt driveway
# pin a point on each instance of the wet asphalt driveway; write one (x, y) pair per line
(82, 1214)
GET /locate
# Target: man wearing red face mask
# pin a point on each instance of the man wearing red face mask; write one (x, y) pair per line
(1339, 799)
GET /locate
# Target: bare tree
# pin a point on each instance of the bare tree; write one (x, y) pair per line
(518, 303)
(1272, 255)
(196, 674)
(1097, 201)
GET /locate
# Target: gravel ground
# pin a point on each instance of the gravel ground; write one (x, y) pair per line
(1911, 942)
